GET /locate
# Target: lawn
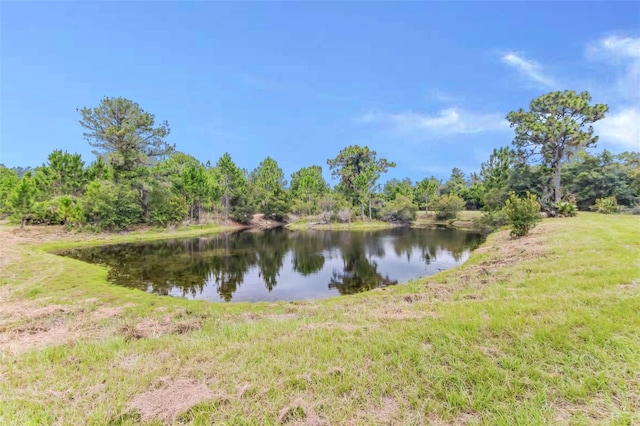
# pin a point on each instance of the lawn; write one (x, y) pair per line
(540, 330)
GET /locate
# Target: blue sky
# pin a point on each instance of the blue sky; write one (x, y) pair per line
(425, 84)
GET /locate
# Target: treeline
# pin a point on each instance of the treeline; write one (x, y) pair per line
(137, 177)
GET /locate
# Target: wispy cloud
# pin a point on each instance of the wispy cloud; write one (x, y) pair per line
(628, 47)
(446, 121)
(621, 128)
(623, 53)
(529, 69)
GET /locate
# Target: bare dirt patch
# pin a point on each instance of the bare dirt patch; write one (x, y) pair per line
(170, 399)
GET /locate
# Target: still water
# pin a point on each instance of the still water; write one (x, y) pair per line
(279, 264)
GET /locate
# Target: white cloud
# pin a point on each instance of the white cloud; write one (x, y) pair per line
(446, 121)
(621, 128)
(628, 47)
(624, 53)
(529, 68)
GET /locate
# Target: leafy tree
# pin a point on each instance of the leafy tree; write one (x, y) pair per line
(358, 169)
(63, 174)
(495, 174)
(474, 192)
(456, 183)
(553, 129)
(166, 207)
(523, 213)
(125, 134)
(400, 209)
(21, 199)
(425, 191)
(535, 179)
(393, 187)
(589, 177)
(8, 180)
(268, 187)
(111, 206)
(188, 179)
(308, 185)
(330, 204)
(447, 206)
(20, 171)
(99, 170)
(233, 187)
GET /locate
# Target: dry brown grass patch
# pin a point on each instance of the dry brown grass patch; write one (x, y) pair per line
(170, 399)
(299, 413)
(152, 328)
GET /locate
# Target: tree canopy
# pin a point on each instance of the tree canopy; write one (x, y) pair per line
(557, 125)
(358, 169)
(125, 134)
(138, 177)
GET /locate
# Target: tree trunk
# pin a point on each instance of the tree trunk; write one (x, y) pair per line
(362, 210)
(556, 182)
(226, 207)
(22, 222)
(370, 209)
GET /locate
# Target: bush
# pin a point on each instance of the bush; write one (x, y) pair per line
(400, 209)
(635, 210)
(523, 213)
(166, 208)
(110, 206)
(566, 209)
(301, 207)
(63, 210)
(277, 207)
(344, 215)
(493, 219)
(607, 205)
(243, 210)
(447, 206)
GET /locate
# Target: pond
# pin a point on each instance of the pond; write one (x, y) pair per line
(279, 264)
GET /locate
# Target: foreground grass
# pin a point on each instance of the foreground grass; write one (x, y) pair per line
(533, 331)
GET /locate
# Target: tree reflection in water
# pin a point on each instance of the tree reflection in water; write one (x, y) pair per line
(281, 264)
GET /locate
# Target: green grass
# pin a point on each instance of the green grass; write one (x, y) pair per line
(541, 330)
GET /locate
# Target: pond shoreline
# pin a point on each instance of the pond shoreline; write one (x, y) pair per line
(507, 317)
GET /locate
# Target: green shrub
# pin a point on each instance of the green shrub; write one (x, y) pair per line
(242, 210)
(493, 219)
(447, 206)
(566, 209)
(278, 206)
(400, 209)
(110, 206)
(523, 213)
(63, 210)
(607, 205)
(166, 208)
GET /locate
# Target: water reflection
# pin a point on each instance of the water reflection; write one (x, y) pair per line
(279, 264)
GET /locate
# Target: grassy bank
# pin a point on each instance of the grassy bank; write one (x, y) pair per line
(531, 331)
(465, 220)
(357, 225)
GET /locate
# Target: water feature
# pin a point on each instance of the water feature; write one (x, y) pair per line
(279, 264)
